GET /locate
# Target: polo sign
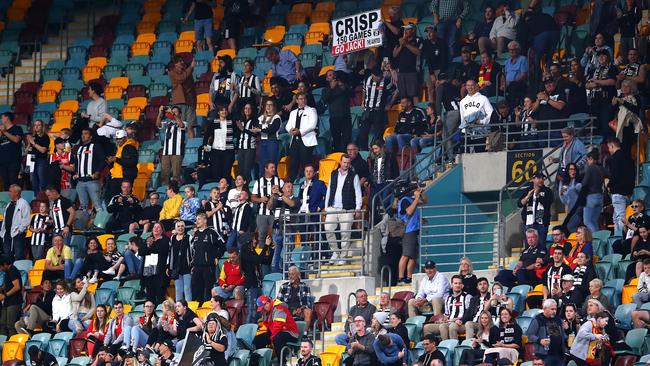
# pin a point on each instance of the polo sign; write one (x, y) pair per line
(357, 32)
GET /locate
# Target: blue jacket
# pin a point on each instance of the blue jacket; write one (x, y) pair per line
(388, 355)
(317, 194)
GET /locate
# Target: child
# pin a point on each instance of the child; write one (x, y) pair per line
(115, 258)
(643, 294)
(38, 227)
(65, 136)
(61, 164)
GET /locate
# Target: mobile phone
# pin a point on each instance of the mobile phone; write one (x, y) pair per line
(497, 291)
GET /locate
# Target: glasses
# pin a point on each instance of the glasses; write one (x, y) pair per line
(556, 234)
(635, 206)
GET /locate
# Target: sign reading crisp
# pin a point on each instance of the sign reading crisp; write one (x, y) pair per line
(357, 32)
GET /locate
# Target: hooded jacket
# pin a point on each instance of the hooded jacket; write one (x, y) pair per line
(279, 319)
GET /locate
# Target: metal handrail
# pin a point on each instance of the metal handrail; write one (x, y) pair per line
(354, 296)
(323, 324)
(390, 279)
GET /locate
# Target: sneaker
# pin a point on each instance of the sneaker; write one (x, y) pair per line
(109, 271)
(401, 282)
(408, 280)
(27, 331)
(334, 257)
(341, 263)
(116, 278)
(93, 280)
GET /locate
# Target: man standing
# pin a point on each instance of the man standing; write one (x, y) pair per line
(208, 247)
(242, 221)
(254, 254)
(337, 97)
(125, 162)
(342, 204)
(285, 64)
(262, 195)
(411, 122)
(407, 53)
(448, 100)
(475, 114)
(15, 223)
(536, 207)
(303, 128)
(296, 294)
(434, 52)
(360, 346)
(203, 26)
(10, 150)
(547, 334)
(174, 143)
(125, 208)
(61, 213)
(11, 296)
(312, 201)
(448, 16)
(434, 288)
(183, 92)
(377, 89)
(456, 314)
(306, 356)
(620, 167)
(89, 161)
(551, 105)
(284, 206)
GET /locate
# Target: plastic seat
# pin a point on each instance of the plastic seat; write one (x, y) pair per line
(12, 351)
(69, 105)
(623, 315)
(187, 35)
(635, 339)
(184, 45)
(105, 296)
(122, 81)
(57, 347)
(266, 355)
(274, 34)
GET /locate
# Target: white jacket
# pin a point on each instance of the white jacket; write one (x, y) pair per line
(20, 220)
(475, 107)
(61, 307)
(308, 125)
(437, 287)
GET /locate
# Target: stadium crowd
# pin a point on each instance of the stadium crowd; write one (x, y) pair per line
(217, 232)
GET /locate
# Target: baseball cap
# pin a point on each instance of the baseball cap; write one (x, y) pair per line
(409, 26)
(430, 265)
(430, 27)
(169, 344)
(59, 140)
(538, 174)
(442, 76)
(261, 301)
(568, 277)
(120, 134)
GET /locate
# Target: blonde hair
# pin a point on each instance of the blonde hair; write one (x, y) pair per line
(469, 262)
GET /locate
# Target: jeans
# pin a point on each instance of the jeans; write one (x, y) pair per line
(137, 335)
(544, 44)
(251, 299)
(73, 323)
(89, 191)
(227, 294)
(269, 150)
(183, 287)
(418, 143)
(619, 202)
(132, 262)
(72, 268)
(402, 140)
(592, 211)
(279, 239)
(39, 175)
(342, 339)
(231, 242)
(447, 30)
(14, 246)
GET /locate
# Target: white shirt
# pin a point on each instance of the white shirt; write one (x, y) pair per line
(233, 198)
(507, 28)
(304, 207)
(435, 288)
(474, 107)
(61, 307)
(644, 283)
(96, 110)
(109, 129)
(220, 134)
(338, 195)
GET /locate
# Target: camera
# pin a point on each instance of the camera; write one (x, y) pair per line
(406, 188)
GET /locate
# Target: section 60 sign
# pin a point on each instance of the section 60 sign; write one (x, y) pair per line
(520, 161)
(357, 32)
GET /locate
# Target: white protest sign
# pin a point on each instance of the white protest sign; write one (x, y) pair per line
(357, 32)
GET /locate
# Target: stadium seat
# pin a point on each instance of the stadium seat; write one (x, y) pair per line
(635, 339)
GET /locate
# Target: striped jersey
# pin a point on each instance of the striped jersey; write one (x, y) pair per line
(262, 188)
(38, 222)
(174, 143)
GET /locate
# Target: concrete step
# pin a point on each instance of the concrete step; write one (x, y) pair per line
(395, 289)
(351, 267)
(332, 275)
(338, 326)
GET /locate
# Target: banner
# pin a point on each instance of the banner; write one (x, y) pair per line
(519, 161)
(357, 32)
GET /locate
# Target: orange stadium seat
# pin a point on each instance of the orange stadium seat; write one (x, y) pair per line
(325, 169)
(47, 96)
(140, 49)
(151, 17)
(62, 119)
(54, 85)
(314, 37)
(327, 7)
(113, 92)
(227, 51)
(91, 73)
(131, 113)
(122, 81)
(274, 34)
(184, 45)
(69, 105)
(188, 35)
(296, 18)
(320, 27)
(320, 17)
(146, 27)
(293, 48)
(140, 102)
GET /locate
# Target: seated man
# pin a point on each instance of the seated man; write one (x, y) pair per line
(231, 279)
(59, 262)
(362, 308)
(433, 289)
(280, 326)
(297, 295)
(568, 294)
(38, 312)
(307, 358)
(149, 214)
(457, 313)
(531, 259)
(39, 357)
(125, 208)
(411, 122)
(360, 347)
(390, 350)
(432, 355)
(643, 286)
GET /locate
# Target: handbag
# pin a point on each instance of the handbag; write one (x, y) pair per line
(150, 265)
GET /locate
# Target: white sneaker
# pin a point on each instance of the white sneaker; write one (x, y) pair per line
(334, 257)
(109, 271)
(341, 263)
(116, 278)
(93, 280)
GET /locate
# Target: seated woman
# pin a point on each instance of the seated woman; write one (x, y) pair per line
(186, 321)
(595, 293)
(83, 305)
(505, 339)
(498, 300)
(583, 273)
(97, 330)
(215, 343)
(640, 252)
(475, 355)
(115, 258)
(583, 244)
(219, 307)
(94, 260)
(61, 309)
(165, 329)
(398, 327)
(136, 336)
(631, 230)
(470, 281)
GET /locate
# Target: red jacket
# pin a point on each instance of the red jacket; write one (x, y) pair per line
(279, 319)
(231, 274)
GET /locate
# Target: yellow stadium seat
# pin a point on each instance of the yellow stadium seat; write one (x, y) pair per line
(149, 38)
(335, 349)
(389, 131)
(629, 290)
(20, 338)
(47, 96)
(183, 45)
(314, 37)
(113, 92)
(336, 156)
(304, 8)
(140, 49)
(193, 305)
(140, 187)
(410, 20)
(127, 309)
(330, 359)
(187, 35)
(214, 65)
(320, 27)
(319, 17)
(202, 312)
(62, 119)
(54, 85)
(122, 81)
(227, 51)
(12, 350)
(235, 169)
(325, 69)
(283, 167)
(103, 238)
(275, 34)
(207, 304)
(202, 109)
(69, 105)
(325, 169)
(296, 18)
(97, 61)
(92, 288)
(327, 7)
(146, 27)
(140, 102)
(266, 85)
(293, 48)
(35, 276)
(39, 264)
(203, 98)
(131, 113)
(91, 73)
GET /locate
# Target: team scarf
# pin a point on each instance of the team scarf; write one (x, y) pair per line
(484, 74)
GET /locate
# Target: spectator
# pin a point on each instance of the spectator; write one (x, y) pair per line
(38, 145)
(384, 309)
(563, 83)
(347, 198)
(235, 15)
(282, 97)
(481, 33)
(254, 255)
(312, 201)
(124, 208)
(183, 92)
(96, 332)
(106, 131)
(218, 305)
(578, 92)
(448, 16)
(589, 60)
(223, 86)
(285, 65)
(93, 260)
(248, 88)
(551, 105)
(573, 151)
(136, 337)
(149, 214)
(448, 101)
(202, 10)
(505, 339)
(10, 150)
(262, 192)
(433, 131)
(406, 54)
(479, 300)
(516, 74)
(468, 69)
(407, 212)
(391, 350)
(60, 165)
(466, 272)
(297, 295)
(501, 123)
(337, 97)
(432, 355)
(167, 355)
(96, 109)
(570, 187)
(475, 354)
(621, 181)
(208, 247)
(132, 260)
(547, 333)
(393, 31)
(542, 35)
(560, 242)
(190, 205)
(40, 357)
(280, 326)
(358, 164)
(124, 162)
(83, 305)
(219, 142)
(536, 206)
(362, 308)
(525, 133)
(583, 274)
(595, 293)
(633, 71)
(640, 252)
(186, 321)
(284, 207)
(171, 209)
(306, 356)
(40, 231)
(233, 195)
(434, 53)
(397, 327)
(498, 301)
(488, 75)
(377, 100)
(475, 113)
(432, 292)
(570, 322)
(115, 260)
(38, 312)
(163, 330)
(411, 122)
(302, 126)
(383, 169)
(592, 188)
(631, 227)
(179, 262)
(643, 286)
(591, 337)
(360, 348)
(114, 338)
(173, 144)
(303, 87)
(267, 126)
(58, 260)
(15, 224)
(627, 122)
(11, 297)
(89, 162)
(531, 259)
(456, 315)
(504, 27)
(231, 278)
(242, 220)
(552, 276)
(246, 148)
(568, 293)
(219, 215)
(154, 259)
(628, 17)
(601, 88)
(583, 244)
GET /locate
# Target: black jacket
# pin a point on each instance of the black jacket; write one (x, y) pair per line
(545, 200)
(180, 257)
(401, 331)
(124, 211)
(620, 169)
(391, 168)
(207, 246)
(129, 162)
(251, 264)
(160, 247)
(44, 301)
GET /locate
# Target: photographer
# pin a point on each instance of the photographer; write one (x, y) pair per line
(174, 143)
(408, 213)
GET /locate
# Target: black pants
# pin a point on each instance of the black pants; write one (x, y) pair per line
(471, 357)
(95, 262)
(9, 173)
(221, 163)
(154, 287)
(341, 129)
(300, 155)
(604, 112)
(281, 339)
(246, 162)
(202, 282)
(373, 122)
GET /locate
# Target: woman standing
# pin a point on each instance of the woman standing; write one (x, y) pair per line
(570, 187)
(505, 339)
(246, 145)
(219, 142)
(466, 271)
(154, 256)
(628, 106)
(137, 336)
(233, 194)
(583, 273)
(474, 356)
(178, 263)
(83, 304)
(248, 88)
(97, 329)
(38, 146)
(592, 341)
(267, 126)
(592, 189)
